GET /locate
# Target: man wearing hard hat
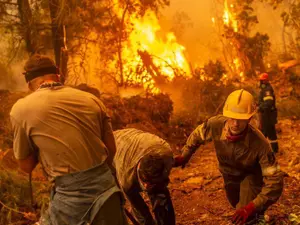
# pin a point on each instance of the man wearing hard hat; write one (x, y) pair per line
(268, 111)
(252, 177)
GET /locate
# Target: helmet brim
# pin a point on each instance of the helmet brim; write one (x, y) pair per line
(238, 116)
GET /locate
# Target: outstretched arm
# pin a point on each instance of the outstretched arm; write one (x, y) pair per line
(197, 138)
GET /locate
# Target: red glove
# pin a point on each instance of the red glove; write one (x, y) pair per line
(241, 215)
(179, 161)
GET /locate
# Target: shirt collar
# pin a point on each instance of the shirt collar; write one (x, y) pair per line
(225, 132)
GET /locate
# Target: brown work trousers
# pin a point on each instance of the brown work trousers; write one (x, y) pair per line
(240, 191)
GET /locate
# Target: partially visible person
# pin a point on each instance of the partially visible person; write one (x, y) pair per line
(268, 111)
(69, 132)
(143, 163)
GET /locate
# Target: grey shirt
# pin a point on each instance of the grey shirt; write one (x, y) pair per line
(132, 146)
(65, 125)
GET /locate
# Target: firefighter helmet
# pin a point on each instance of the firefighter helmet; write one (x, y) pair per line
(264, 76)
(239, 105)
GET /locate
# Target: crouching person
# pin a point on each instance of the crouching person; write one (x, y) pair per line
(143, 162)
(252, 177)
(69, 133)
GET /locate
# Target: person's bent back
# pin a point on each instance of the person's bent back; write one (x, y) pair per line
(143, 163)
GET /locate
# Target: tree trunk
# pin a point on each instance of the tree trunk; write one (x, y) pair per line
(57, 30)
(26, 21)
(120, 39)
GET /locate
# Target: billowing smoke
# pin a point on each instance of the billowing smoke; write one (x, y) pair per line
(11, 77)
(202, 40)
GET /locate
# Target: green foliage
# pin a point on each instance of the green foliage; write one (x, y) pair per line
(255, 49)
(12, 194)
(245, 16)
(15, 195)
(215, 70)
(201, 99)
(249, 49)
(152, 109)
(291, 20)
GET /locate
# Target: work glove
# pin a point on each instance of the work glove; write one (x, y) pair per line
(241, 215)
(179, 161)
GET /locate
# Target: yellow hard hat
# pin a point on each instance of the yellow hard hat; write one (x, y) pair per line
(239, 105)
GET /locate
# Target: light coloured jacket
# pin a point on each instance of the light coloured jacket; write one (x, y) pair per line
(132, 145)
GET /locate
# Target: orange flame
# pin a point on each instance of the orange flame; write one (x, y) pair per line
(230, 21)
(238, 68)
(166, 54)
(228, 17)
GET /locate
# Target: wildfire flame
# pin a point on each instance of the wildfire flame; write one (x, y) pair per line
(228, 17)
(164, 56)
(230, 20)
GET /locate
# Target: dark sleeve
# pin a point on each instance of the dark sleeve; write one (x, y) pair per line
(260, 101)
(267, 99)
(272, 178)
(199, 136)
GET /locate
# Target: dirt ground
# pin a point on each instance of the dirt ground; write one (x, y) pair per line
(197, 190)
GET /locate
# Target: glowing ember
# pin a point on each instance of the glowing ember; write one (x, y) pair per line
(213, 20)
(238, 68)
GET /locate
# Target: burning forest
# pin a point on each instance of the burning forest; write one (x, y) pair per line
(187, 111)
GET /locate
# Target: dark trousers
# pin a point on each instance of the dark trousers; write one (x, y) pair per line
(268, 129)
(162, 207)
(240, 191)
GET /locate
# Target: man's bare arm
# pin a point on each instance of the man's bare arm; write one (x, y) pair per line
(27, 165)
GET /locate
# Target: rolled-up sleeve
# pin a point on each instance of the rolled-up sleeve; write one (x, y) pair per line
(272, 178)
(21, 144)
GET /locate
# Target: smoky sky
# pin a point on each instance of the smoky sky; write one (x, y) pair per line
(202, 41)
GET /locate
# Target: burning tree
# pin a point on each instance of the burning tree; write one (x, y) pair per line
(124, 38)
(120, 34)
(292, 24)
(243, 51)
(144, 57)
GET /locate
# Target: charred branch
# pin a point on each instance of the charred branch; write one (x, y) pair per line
(26, 21)
(57, 30)
(151, 68)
